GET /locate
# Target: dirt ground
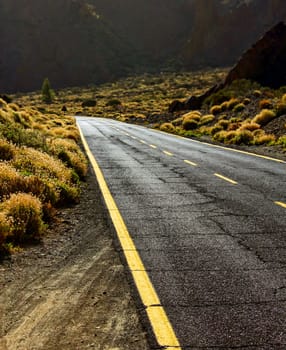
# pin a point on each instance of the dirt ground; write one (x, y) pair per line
(70, 291)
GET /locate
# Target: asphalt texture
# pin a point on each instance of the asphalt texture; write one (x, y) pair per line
(209, 232)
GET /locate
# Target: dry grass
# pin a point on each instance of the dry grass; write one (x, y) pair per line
(167, 127)
(264, 117)
(38, 171)
(24, 211)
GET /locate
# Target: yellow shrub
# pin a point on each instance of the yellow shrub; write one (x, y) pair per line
(5, 227)
(215, 109)
(11, 181)
(249, 126)
(69, 152)
(208, 118)
(262, 139)
(167, 127)
(264, 117)
(25, 212)
(7, 150)
(265, 104)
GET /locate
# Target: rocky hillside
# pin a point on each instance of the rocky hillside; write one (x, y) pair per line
(77, 42)
(64, 40)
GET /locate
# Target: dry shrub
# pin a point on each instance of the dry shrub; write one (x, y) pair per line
(206, 119)
(264, 117)
(239, 107)
(262, 139)
(280, 108)
(249, 126)
(265, 104)
(283, 98)
(234, 126)
(282, 140)
(7, 150)
(5, 228)
(3, 104)
(191, 120)
(232, 103)
(223, 123)
(59, 179)
(216, 109)
(257, 93)
(167, 127)
(11, 181)
(243, 136)
(216, 128)
(25, 213)
(69, 152)
(225, 136)
(246, 101)
(14, 107)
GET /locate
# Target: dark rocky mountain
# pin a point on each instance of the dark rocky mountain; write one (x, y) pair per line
(76, 42)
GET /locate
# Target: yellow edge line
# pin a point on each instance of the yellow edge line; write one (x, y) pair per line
(190, 163)
(168, 153)
(226, 178)
(225, 148)
(281, 204)
(159, 321)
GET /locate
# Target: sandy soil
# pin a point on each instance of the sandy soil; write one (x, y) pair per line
(71, 290)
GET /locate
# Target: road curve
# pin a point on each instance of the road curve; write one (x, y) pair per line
(210, 227)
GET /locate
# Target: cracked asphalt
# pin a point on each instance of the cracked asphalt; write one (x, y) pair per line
(210, 226)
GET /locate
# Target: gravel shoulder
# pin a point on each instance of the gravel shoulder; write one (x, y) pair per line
(70, 291)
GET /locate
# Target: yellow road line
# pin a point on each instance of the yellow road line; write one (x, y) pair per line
(142, 141)
(133, 137)
(281, 204)
(159, 321)
(226, 179)
(190, 163)
(153, 146)
(168, 153)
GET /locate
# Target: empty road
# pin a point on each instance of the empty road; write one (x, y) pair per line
(210, 227)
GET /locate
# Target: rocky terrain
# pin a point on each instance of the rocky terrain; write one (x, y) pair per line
(79, 42)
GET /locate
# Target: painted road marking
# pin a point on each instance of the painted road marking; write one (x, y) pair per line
(190, 163)
(158, 318)
(153, 146)
(133, 137)
(168, 153)
(281, 204)
(222, 147)
(142, 141)
(226, 179)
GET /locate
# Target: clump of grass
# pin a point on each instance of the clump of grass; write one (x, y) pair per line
(191, 120)
(257, 93)
(5, 228)
(25, 213)
(206, 119)
(249, 126)
(68, 151)
(10, 179)
(265, 104)
(264, 139)
(282, 141)
(223, 123)
(7, 150)
(264, 117)
(239, 107)
(233, 102)
(243, 137)
(113, 103)
(167, 127)
(216, 109)
(280, 108)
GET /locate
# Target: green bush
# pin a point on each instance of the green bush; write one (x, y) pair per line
(47, 92)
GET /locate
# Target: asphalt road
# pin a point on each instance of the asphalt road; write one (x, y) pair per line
(210, 226)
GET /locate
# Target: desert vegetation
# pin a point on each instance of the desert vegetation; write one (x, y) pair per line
(41, 166)
(241, 113)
